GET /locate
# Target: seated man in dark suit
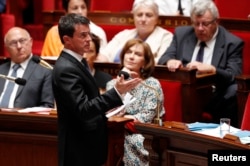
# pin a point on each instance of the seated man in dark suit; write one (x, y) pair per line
(221, 54)
(37, 91)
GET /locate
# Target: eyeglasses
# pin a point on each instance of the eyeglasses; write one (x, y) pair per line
(13, 43)
(203, 24)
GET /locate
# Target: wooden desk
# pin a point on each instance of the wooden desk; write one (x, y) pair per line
(175, 147)
(31, 139)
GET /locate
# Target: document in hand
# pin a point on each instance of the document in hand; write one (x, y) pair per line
(128, 99)
(38, 110)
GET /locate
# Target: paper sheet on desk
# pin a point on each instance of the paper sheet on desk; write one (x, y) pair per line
(212, 129)
(128, 99)
(199, 126)
(216, 131)
(244, 136)
(39, 110)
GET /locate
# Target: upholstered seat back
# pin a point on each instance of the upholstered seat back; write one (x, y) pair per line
(7, 21)
(111, 6)
(245, 125)
(245, 36)
(233, 9)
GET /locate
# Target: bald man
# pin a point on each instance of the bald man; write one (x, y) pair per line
(38, 88)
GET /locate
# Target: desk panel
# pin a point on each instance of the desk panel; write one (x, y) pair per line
(31, 139)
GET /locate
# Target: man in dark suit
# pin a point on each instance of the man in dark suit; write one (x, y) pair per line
(38, 88)
(222, 55)
(82, 138)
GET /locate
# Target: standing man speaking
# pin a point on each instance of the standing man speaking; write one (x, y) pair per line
(81, 109)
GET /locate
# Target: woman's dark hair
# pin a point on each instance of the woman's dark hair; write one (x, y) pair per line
(96, 41)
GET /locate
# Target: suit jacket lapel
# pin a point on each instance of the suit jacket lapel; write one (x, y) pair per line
(188, 49)
(218, 49)
(4, 70)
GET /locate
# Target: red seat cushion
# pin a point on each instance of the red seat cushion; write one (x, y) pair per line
(245, 36)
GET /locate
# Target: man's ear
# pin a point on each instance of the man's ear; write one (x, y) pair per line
(66, 39)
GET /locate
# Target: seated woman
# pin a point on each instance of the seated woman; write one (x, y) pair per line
(145, 13)
(136, 57)
(52, 43)
(101, 77)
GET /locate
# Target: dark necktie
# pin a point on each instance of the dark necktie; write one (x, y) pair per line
(180, 8)
(85, 64)
(9, 88)
(200, 54)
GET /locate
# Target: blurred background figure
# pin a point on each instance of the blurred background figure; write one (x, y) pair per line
(175, 7)
(137, 56)
(38, 88)
(2, 6)
(52, 44)
(101, 77)
(145, 13)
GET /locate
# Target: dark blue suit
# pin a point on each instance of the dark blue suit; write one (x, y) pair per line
(38, 88)
(227, 59)
(81, 113)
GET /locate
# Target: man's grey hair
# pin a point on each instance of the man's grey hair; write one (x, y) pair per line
(201, 6)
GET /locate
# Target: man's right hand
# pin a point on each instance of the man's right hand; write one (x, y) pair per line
(174, 64)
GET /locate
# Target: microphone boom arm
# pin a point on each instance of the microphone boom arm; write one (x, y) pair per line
(19, 81)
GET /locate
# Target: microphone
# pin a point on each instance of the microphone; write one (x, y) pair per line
(41, 62)
(19, 81)
(125, 74)
(157, 119)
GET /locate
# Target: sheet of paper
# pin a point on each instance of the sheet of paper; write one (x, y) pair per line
(200, 125)
(40, 110)
(216, 131)
(128, 99)
(243, 135)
